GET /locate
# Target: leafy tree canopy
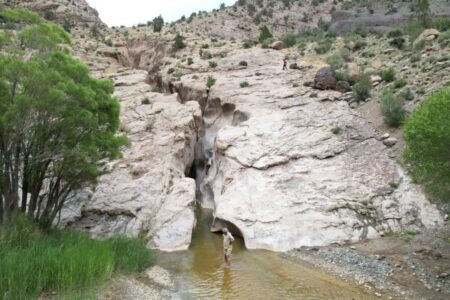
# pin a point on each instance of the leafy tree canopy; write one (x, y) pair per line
(56, 124)
(428, 144)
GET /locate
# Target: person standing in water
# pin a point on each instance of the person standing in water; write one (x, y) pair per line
(228, 240)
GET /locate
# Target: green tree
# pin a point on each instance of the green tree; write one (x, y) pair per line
(178, 42)
(56, 123)
(264, 34)
(428, 144)
(158, 23)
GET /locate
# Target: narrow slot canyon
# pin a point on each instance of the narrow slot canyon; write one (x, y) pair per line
(204, 168)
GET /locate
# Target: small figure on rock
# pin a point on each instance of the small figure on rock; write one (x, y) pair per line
(285, 61)
(228, 240)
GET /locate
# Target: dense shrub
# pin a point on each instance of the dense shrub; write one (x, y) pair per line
(399, 83)
(178, 42)
(247, 44)
(206, 55)
(388, 74)
(289, 39)
(243, 63)
(398, 42)
(395, 33)
(444, 39)
(190, 61)
(264, 34)
(392, 109)
(362, 87)
(335, 61)
(442, 23)
(323, 46)
(428, 144)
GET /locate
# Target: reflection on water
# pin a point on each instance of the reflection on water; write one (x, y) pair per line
(255, 274)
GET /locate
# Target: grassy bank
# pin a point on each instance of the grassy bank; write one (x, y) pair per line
(65, 262)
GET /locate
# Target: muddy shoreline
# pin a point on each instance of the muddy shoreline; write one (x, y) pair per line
(405, 266)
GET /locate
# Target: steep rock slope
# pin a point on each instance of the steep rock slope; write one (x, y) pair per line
(146, 193)
(76, 12)
(272, 165)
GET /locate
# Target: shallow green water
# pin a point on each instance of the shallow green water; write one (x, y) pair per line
(255, 274)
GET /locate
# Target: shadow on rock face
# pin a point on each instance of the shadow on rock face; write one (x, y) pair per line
(239, 117)
(218, 224)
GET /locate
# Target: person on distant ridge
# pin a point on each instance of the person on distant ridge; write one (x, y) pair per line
(228, 240)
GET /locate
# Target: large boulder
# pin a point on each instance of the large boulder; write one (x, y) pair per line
(325, 79)
(277, 45)
(427, 35)
(353, 71)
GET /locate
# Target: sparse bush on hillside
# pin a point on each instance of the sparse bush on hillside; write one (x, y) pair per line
(398, 42)
(244, 84)
(407, 94)
(242, 2)
(247, 44)
(362, 87)
(444, 39)
(251, 9)
(210, 82)
(392, 109)
(442, 24)
(388, 74)
(243, 63)
(399, 83)
(323, 46)
(395, 33)
(428, 144)
(335, 61)
(190, 61)
(178, 42)
(206, 55)
(289, 39)
(212, 64)
(267, 43)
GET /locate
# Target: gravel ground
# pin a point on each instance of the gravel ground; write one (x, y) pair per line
(402, 267)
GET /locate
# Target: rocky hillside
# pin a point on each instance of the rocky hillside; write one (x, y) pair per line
(242, 20)
(75, 12)
(286, 158)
